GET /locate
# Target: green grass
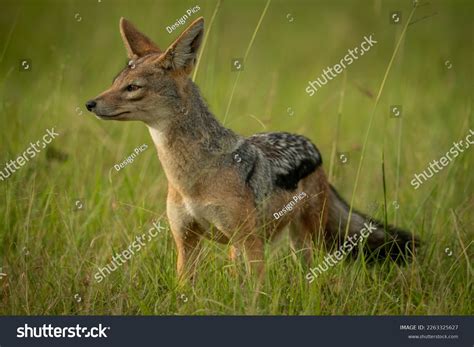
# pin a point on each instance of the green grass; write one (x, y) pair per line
(50, 252)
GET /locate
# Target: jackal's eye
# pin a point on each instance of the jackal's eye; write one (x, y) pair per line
(132, 87)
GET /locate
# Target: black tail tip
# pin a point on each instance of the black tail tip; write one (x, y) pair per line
(399, 245)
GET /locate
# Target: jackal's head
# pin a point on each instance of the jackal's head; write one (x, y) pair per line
(155, 82)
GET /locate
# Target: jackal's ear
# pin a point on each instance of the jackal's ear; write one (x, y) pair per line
(182, 54)
(136, 43)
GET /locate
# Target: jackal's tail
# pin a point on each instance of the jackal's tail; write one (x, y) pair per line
(382, 242)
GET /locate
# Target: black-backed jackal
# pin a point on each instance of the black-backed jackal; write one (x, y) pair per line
(221, 179)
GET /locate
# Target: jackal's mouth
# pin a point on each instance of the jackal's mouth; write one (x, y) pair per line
(112, 115)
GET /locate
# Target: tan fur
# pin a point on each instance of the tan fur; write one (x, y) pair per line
(229, 206)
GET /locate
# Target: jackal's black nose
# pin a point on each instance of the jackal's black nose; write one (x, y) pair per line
(91, 104)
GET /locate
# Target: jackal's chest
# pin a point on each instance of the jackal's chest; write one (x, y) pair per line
(201, 212)
(213, 212)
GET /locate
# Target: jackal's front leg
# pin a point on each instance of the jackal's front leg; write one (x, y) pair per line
(253, 247)
(241, 229)
(188, 245)
(187, 236)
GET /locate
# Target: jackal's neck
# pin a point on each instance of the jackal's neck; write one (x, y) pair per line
(192, 140)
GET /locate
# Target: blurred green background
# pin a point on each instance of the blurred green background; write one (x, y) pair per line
(50, 251)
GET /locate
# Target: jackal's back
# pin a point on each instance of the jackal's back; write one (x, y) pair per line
(291, 157)
(275, 161)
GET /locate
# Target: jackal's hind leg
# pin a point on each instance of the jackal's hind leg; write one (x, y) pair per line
(301, 242)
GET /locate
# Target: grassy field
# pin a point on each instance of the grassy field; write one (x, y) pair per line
(67, 211)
